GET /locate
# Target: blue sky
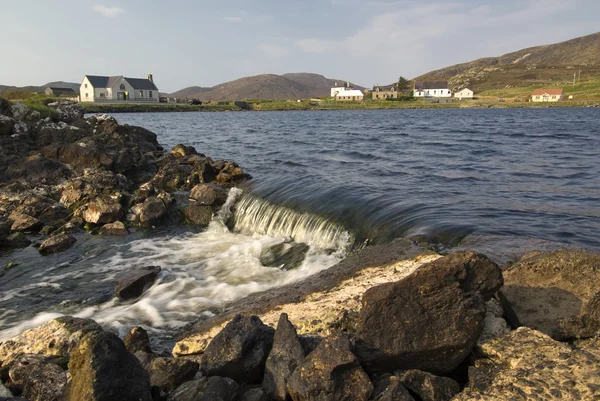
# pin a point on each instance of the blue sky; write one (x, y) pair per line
(204, 43)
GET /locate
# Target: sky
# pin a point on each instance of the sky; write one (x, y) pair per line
(205, 42)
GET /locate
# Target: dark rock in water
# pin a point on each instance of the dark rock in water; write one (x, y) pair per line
(239, 351)
(254, 394)
(169, 373)
(116, 229)
(137, 340)
(103, 210)
(198, 215)
(389, 388)
(208, 195)
(4, 228)
(37, 379)
(103, 370)
(150, 211)
(330, 372)
(24, 222)
(286, 256)
(133, 283)
(429, 387)
(557, 293)
(431, 319)
(183, 151)
(16, 240)
(206, 389)
(285, 356)
(56, 243)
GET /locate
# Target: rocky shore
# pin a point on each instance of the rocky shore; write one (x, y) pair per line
(391, 322)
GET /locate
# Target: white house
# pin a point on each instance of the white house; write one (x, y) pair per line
(547, 95)
(464, 94)
(432, 89)
(118, 89)
(351, 95)
(339, 89)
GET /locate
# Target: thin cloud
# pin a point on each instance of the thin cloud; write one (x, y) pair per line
(233, 19)
(274, 50)
(110, 12)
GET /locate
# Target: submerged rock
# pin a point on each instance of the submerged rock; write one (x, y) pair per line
(56, 243)
(198, 215)
(206, 389)
(133, 283)
(286, 256)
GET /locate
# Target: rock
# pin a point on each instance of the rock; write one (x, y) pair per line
(5, 107)
(431, 319)
(389, 388)
(103, 210)
(6, 125)
(494, 324)
(16, 240)
(116, 229)
(5, 394)
(151, 210)
(183, 151)
(103, 370)
(55, 338)
(254, 394)
(133, 283)
(5, 225)
(137, 340)
(557, 293)
(24, 222)
(285, 256)
(24, 113)
(57, 243)
(68, 111)
(198, 215)
(169, 373)
(206, 389)
(239, 351)
(285, 356)
(38, 380)
(208, 195)
(528, 365)
(429, 387)
(330, 372)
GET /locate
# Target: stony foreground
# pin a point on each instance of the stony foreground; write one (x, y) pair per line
(393, 322)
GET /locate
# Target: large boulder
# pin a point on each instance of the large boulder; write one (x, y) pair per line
(206, 389)
(103, 370)
(208, 195)
(103, 210)
(285, 356)
(151, 210)
(557, 293)
(239, 351)
(37, 379)
(431, 319)
(57, 243)
(330, 372)
(132, 284)
(24, 113)
(68, 111)
(528, 365)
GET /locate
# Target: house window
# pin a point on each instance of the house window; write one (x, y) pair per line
(149, 93)
(85, 86)
(537, 97)
(101, 94)
(86, 96)
(553, 97)
(141, 93)
(122, 87)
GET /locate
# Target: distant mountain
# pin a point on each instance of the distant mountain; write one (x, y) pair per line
(56, 84)
(267, 86)
(532, 66)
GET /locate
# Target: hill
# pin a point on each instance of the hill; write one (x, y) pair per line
(266, 86)
(56, 84)
(553, 65)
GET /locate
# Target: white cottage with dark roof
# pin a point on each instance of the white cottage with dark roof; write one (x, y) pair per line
(118, 89)
(432, 89)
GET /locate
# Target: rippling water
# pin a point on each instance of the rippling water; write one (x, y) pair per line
(333, 180)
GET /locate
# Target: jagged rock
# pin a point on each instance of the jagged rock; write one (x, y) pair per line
(431, 319)
(285, 256)
(285, 356)
(55, 338)
(183, 151)
(169, 373)
(198, 215)
(137, 340)
(429, 387)
(206, 389)
(24, 222)
(16, 240)
(330, 372)
(133, 283)
(103, 210)
(103, 370)
(557, 293)
(57, 243)
(37, 379)
(528, 365)
(6, 125)
(116, 229)
(39, 170)
(208, 195)
(93, 183)
(389, 388)
(239, 351)
(254, 394)
(24, 113)
(494, 324)
(68, 111)
(151, 210)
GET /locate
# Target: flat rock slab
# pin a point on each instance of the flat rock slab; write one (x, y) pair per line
(57, 243)
(132, 284)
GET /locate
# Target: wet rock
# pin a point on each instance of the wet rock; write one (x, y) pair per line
(208, 195)
(57, 243)
(16, 240)
(68, 111)
(183, 151)
(24, 222)
(169, 373)
(285, 256)
(390, 388)
(198, 215)
(557, 293)
(54, 213)
(133, 283)
(431, 319)
(137, 340)
(93, 183)
(429, 387)
(285, 356)
(115, 229)
(526, 364)
(37, 379)
(55, 338)
(206, 389)
(5, 225)
(330, 372)
(103, 370)
(254, 394)
(103, 210)
(239, 351)
(151, 210)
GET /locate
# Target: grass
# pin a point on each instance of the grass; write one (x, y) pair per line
(160, 107)
(586, 89)
(39, 103)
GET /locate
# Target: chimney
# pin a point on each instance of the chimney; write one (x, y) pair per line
(150, 78)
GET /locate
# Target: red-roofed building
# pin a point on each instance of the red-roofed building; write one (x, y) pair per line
(547, 95)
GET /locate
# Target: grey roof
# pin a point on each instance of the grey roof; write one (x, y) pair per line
(431, 85)
(98, 81)
(61, 90)
(141, 83)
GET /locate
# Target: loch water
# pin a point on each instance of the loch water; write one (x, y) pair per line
(338, 181)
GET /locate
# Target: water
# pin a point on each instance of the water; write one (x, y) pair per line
(336, 181)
